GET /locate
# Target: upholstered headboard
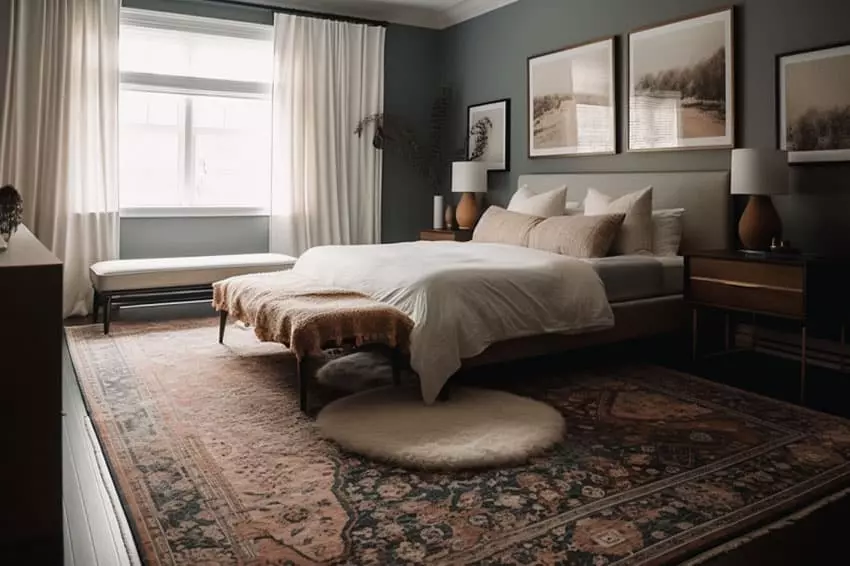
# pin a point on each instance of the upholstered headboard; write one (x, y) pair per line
(703, 194)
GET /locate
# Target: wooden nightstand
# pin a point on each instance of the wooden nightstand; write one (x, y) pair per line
(446, 235)
(795, 287)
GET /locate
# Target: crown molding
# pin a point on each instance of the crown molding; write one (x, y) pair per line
(468, 9)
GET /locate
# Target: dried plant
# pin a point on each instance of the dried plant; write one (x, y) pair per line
(11, 210)
(480, 130)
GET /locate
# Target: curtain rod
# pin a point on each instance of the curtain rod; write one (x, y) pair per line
(297, 12)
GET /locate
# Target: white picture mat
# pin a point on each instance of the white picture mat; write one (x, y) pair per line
(571, 54)
(726, 17)
(495, 156)
(831, 155)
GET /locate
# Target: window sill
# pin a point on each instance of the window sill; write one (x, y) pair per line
(193, 212)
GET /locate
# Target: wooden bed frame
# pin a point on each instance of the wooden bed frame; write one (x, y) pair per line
(705, 192)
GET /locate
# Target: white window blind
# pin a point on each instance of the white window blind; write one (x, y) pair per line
(194, 115)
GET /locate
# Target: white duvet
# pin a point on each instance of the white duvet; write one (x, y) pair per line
(463, 297)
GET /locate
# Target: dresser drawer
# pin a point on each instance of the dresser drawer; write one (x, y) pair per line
(764, 274)
(766, 298)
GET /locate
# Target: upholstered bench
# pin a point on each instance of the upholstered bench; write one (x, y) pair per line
(173, 279)
(308, 317)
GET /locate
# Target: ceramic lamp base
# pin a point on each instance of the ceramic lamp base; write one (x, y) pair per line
(759, 224)
(467, 212)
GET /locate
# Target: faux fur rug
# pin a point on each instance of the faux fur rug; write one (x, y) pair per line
(216, 464)
(475, 428)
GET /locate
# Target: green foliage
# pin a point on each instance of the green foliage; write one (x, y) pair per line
(11, 209)
(820, 130)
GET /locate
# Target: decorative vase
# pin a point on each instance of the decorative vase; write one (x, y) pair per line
(438, 212)
(11, 213)
(450, 217)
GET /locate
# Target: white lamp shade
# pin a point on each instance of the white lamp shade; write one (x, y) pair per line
(759, 172)
(469, 177)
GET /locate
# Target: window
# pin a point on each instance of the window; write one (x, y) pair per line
(194, 115)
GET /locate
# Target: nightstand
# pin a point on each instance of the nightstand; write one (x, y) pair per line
(800, 288)
(446, 235)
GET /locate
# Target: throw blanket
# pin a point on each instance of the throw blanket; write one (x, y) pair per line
(463, 297)
(305, 315)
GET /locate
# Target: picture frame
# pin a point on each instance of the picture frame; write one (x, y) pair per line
(497, 154)
(813, 104)
(681, 91)
(572, 101)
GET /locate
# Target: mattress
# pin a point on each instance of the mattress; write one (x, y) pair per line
(632, 277)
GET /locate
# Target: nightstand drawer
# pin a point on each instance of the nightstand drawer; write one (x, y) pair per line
(748, 296)
(756, 273)
(446, 235)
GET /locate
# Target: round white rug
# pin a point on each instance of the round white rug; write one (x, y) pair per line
(474, 428)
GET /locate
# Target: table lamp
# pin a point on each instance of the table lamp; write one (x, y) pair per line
(468, 177)
(759, 173)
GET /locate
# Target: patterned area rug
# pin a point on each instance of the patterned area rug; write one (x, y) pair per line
(216, 464)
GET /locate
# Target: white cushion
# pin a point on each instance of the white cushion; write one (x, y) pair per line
(545, 205)
(667, 231)
(160, 273)
(635, 235)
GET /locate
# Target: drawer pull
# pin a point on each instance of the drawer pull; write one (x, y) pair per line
(746, 285)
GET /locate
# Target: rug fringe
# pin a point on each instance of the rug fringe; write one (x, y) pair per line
(765, 530)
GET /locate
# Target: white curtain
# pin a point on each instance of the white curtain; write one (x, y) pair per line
(60, 131)
(326, 182)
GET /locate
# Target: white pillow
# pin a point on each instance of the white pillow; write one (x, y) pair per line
(635, 235)
(667, 231)
(550, 203)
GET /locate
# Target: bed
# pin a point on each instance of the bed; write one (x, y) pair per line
(476, 303)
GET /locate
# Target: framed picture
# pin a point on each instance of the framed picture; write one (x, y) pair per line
(814, 104)
(681, 93)
(571, 101)
(497, 151)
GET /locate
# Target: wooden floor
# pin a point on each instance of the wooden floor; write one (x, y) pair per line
(96, 530)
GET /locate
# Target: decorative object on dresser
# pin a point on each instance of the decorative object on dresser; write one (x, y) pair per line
(468, 177)
(814, 104)
(759, 173)
(488, 126)
(681, 92)
(11, 213)
(450, 218)
(801, 288)
(446, 235)
(31, 347)
(572, 101)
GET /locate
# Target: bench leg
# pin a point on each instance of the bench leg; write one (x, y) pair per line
(302, 385)
(107, 314)
(95, 306)
(396, 364)
(222, 324)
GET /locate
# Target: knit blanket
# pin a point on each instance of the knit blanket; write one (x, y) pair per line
(307, 316)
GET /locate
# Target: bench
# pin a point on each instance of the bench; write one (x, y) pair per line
(170, 280)
(308, 317)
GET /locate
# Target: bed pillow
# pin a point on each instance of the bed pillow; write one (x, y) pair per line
(550, 203)
(500, 226)
(667, 231)
(635, 235)
(576, 236)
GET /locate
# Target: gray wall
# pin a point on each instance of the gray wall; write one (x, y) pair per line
(485, 59)
(412, 72)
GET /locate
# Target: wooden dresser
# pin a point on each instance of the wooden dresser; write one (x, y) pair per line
(801, 288)
(450, 235)
(31, 419)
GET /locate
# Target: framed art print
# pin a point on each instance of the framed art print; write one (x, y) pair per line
(681, 85)
(571, 101)
(814, 104)
(495, 117)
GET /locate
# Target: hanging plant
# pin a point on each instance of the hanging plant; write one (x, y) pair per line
(11, 211)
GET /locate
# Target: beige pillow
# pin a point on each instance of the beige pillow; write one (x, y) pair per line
(635, 235)
(500, 226)
(667, 231)
(550, 203)
(577, 236)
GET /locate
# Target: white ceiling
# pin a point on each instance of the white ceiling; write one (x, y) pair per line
(437, 14)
